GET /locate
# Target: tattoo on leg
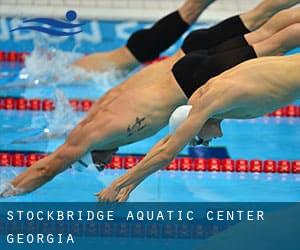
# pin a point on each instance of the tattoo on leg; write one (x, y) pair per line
(137, 126)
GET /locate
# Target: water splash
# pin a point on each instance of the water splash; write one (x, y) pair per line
(48, 66)
(58, 122)
(63, 119)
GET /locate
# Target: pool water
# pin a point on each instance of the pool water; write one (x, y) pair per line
(263, 138)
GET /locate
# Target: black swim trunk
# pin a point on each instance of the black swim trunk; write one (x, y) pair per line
(195, 69)
(206, 39)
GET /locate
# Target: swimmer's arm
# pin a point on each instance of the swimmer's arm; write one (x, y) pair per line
(131, 179)
(47, 168)
(164, 152)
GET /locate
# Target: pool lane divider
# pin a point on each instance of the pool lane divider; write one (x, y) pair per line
(183, 163)
(19, 57)
(36, 104)
(13, 56)
(84, 105)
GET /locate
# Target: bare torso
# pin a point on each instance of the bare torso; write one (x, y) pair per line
(141, 105)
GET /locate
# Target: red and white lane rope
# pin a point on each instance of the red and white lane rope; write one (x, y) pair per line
(13, 56)
(37, 104)
(19, 57)
(21, 159)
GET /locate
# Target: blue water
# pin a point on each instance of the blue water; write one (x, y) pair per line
(263, 138)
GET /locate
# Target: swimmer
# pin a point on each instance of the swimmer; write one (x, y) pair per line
(138, 108)
(278, 22)
(276, 83)
(147, 44)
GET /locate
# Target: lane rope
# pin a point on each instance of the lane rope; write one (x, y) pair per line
(19, 57)
(26, 159)
(13, 56)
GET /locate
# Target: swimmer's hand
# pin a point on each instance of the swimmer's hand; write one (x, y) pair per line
(8, 190)
(109, 194)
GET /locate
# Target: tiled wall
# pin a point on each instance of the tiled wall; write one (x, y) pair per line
(117, 9)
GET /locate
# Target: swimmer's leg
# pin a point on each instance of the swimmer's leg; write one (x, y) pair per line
(229, 34)
(256, 17)
(279, 43)
(280, 21)
(151, 41)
